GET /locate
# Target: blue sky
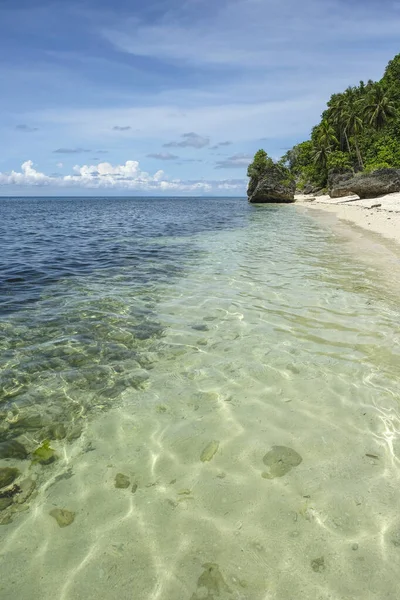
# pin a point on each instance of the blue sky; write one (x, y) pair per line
(171, 96)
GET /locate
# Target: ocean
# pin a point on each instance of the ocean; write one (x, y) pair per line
(201, 397)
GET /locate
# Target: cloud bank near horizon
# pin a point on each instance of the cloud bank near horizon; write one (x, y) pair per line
(105, 176)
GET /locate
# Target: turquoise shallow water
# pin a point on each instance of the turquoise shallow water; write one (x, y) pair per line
(238, 366)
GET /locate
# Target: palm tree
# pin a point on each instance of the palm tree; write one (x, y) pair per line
(326, 135)
(320, 154)
(323, 137)
(353, 126)
(379, 109)
(345, 111)
(336, 113)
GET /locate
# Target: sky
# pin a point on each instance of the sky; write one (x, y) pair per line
(172, 97)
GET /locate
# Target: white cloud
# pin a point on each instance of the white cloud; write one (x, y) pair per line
(220, 145)
(163, 156)
(104, 175)
(254, 33)
(25, 128)
(238, 161)
(189, 140)
(27, 176)
(71, 151)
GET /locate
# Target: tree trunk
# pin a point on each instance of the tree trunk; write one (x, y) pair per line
(341, 141)
(360, 160)
(347, 141)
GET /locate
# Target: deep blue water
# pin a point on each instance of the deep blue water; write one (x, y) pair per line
(80, 279)
(43, 240)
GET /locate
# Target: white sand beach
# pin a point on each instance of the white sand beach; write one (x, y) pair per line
(379, 215)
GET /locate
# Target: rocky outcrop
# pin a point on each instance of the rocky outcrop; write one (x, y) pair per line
(337, 183)
(274, 185)
(369, 185)
(309, 188)
(378, 183)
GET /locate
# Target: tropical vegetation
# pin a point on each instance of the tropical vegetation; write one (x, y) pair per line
(358, 131)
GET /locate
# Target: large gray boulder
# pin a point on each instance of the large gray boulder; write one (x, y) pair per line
(275, 185)
(337, 183)
(370, 185)
(310, 188)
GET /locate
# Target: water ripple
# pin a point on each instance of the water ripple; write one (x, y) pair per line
(239, 334)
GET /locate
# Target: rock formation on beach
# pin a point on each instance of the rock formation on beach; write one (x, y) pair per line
(367, 185)
(337, 183)
(270, 182)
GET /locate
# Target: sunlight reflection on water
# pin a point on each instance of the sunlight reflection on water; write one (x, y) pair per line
(269, 336)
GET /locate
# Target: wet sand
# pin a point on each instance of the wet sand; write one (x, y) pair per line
(379, 215)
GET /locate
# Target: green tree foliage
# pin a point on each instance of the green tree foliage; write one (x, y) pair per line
(325, 135)
(324, 140)
(353, 126)
(360, 129)
(379, 108)
(339, 161)
(260, 164)
(264, 165)
(301, 164)
(391, 79)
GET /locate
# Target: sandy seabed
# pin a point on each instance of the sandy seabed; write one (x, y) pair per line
(263, 449)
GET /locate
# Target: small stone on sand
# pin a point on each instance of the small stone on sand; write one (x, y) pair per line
(122, 481)
(7, 475)
(318, 564)
(280, 461)
(209, 451)
(63, 516)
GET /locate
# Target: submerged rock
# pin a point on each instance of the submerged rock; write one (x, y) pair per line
(63, 516)
(57, 431)
(209, 451)
(122, 481)
(26, 488)
(75, 432)
(280, 460)
(318, 564)
(44, 455)
(200, 327)
(28, 422)
(210, 583)
(8, 475)
(6, 518)
(5, 502)
(12, 449)
(10, 492)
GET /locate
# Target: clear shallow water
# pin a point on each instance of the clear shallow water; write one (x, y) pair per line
(140, 334)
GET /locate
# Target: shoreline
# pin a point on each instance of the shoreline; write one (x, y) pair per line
(371, 233)
(378, 215)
